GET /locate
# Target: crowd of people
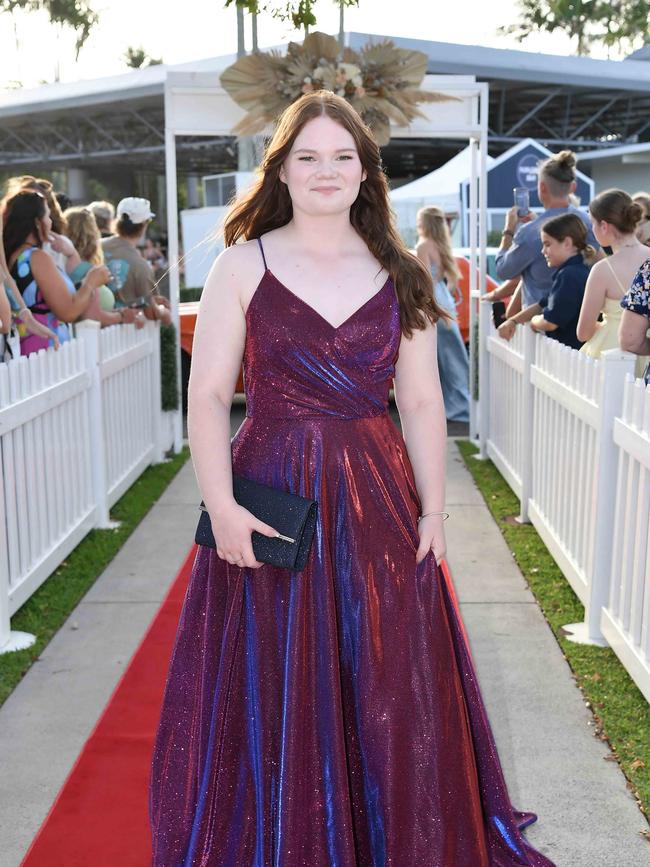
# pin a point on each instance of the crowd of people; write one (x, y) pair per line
(581, 279)
(59, 265)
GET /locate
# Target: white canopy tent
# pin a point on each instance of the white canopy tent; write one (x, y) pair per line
(440, 187)
(196, 104)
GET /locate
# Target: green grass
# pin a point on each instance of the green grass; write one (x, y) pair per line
(46, 610)
(621, 713)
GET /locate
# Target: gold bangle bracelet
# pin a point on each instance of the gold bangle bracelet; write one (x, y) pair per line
(445, 515)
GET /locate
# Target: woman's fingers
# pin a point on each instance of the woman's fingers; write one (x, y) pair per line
(265, 529)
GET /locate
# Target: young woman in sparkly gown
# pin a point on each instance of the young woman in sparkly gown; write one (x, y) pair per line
(329, 717)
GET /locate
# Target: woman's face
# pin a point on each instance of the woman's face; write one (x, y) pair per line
(603, 232)
(45, 225)
(323, 171)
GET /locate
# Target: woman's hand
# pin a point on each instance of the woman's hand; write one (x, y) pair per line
(432, 538)
(33, 326)
(61, 244)
(232, 527)
(97, 276)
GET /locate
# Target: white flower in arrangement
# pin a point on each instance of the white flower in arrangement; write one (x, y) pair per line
(351, 71)
(319, 73)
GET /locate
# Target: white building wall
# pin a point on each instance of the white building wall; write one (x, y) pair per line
(631, 177)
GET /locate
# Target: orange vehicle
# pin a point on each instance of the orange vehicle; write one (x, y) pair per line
(462, 308)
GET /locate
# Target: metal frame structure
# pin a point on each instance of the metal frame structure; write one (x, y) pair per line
(575, 102)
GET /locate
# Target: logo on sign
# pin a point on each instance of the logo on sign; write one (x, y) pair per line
(527, 171)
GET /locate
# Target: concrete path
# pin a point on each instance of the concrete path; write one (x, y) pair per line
(553, 764)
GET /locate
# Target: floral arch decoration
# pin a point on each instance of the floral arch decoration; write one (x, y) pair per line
(382, 82)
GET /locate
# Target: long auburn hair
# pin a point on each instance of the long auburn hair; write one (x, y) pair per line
(435, 228)
(267, 205)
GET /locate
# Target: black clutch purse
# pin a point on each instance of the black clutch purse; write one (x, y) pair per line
(291, 515)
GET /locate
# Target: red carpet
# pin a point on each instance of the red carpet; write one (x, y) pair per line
(100, 817)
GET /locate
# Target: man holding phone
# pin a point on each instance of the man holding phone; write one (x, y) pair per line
(520, 252)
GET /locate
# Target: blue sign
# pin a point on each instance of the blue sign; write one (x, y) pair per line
(528, 171)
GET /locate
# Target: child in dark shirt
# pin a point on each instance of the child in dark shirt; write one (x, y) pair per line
(565, 248)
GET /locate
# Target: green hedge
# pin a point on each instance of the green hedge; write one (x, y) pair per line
(168, 368)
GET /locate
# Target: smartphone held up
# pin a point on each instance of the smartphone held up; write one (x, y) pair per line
(522, 200)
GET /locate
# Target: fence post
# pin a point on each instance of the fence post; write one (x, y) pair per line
(527, 426)
(88, 332)
(484, 314)
(153, 329)
(615, 365)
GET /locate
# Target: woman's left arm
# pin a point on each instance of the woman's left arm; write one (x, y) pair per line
(592, 303)
(422, 413)
(632, 333)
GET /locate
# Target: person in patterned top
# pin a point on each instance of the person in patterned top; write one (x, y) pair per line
(635, 322)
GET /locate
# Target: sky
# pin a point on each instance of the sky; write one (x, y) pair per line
(32, 50)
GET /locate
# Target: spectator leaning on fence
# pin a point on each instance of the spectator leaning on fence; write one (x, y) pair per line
(614, 217)
(520, 252)
(133, 282)
(84, 234)
(57, 244)
(51, 298)
(567, 253)
(635, 321)
(17, 308)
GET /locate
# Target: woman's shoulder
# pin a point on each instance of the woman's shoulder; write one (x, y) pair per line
(38, 258)
(237, 271)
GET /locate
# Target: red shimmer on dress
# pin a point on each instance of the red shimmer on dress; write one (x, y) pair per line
(332, 717)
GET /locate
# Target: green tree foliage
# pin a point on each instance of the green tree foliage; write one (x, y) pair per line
(621, 24)
(76, 14)
(299, 12)
(137, 58)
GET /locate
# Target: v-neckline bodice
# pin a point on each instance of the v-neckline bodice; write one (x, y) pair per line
(311, 309)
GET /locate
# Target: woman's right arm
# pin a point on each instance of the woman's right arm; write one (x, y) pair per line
(216, 359)
(65, 306)
(5, 311)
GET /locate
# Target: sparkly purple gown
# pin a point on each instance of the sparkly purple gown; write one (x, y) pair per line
(328, 718)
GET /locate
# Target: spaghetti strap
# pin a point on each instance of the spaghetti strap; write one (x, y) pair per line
(259, 241)
(616, 277)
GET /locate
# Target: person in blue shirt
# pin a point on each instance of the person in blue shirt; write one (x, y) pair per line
(520, 252)
(564, 241)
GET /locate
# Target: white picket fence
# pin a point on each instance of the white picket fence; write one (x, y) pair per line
(626, 619)
(571, 436)
(77, 427)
